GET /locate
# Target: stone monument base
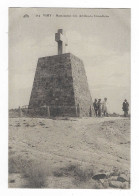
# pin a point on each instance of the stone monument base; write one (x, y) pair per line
(60, 87)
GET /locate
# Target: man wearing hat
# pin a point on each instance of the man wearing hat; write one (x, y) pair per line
(99, 107)
(125, 108)
(95, 105)
(104, 107)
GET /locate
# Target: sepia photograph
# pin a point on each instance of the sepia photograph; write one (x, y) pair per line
(69, 90)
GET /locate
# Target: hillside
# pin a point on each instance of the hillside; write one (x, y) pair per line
(68, 152)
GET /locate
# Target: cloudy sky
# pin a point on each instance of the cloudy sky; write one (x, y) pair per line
(102, 42)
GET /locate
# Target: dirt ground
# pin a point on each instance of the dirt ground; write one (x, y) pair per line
(69, 153)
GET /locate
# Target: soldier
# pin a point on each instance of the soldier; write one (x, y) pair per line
(125, 107)
(95, 105)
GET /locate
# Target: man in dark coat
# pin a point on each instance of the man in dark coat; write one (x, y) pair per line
(125, 108)
(95, 105)
(99, 104)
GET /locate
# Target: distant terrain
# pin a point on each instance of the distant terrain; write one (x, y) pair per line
(91, 153)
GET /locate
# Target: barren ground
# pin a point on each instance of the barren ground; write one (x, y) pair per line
(68, 152)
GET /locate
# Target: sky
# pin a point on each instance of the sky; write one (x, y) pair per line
(100, 37)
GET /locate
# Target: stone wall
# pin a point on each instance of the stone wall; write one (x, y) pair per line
(60, 83)
(80, 85)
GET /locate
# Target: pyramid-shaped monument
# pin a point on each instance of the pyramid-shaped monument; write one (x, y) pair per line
(60, 85)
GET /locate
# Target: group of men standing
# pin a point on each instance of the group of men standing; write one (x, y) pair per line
(100, 108)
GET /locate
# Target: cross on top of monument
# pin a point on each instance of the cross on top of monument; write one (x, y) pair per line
(61, 39)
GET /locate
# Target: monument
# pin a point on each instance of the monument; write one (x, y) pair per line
(60, 85)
